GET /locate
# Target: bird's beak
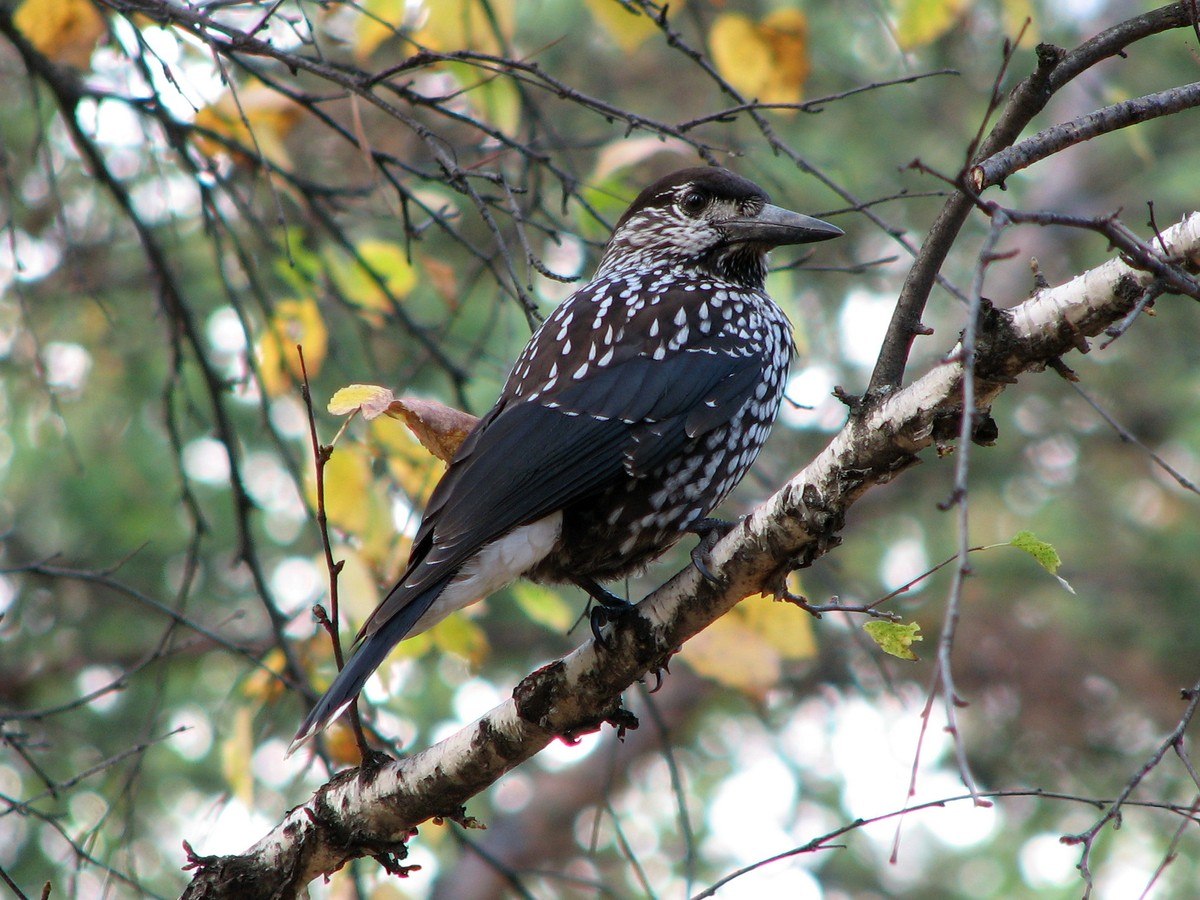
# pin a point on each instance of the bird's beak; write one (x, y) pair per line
(775, 226)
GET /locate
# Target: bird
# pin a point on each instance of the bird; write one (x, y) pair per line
(633, 411)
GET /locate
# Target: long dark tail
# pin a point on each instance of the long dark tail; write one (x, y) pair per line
(365, 660)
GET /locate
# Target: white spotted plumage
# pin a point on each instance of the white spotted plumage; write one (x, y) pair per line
(632, 412)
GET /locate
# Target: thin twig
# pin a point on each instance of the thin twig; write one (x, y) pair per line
(1086, 839)
(962, 466)
(1050, 141)
(824, 841)
(1130, 438)
(321, 455)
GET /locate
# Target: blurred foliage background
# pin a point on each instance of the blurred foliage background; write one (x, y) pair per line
(159, 549)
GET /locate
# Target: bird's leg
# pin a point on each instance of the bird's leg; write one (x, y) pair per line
(710, 532)
(609, 607)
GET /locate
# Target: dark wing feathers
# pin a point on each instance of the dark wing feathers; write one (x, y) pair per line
(527, 458)
(533, 459)
(659, 398)
(723, 401)
(536, 460)
(529, 461)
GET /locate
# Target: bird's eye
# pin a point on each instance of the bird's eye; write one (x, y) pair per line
(693, 202)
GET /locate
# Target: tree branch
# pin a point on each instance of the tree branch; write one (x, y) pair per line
(1055, 69)
(372, 810)
(996, 168)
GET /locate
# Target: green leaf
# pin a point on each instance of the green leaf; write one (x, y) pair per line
(895, 638)
(544, 606)
(1046, 556)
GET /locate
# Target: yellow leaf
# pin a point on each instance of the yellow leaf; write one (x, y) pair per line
(921, 22)
(459, 635)
(382, 260)
(410, 464)
(731, 654)
(783, 625)
(895, 638)
(766, 61)
(261, 684)
(379, 20)
(468, 25)
(412, 647)
(64, 31)
(1019, 19)
(349, 489)
(628, 28)
(495, 98)
(293, 322)
(340, 743)
(745, 649)
(371, 399)
(358, 586)
(786, 33)
(236, 750)
(256, 117)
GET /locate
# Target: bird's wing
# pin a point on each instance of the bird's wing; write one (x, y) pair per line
(532, 456)
(526, 459)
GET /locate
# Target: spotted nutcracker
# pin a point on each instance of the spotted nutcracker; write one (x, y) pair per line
(632, 412)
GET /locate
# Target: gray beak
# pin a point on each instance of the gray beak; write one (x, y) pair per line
(775, 226)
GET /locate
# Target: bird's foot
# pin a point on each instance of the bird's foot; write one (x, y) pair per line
(659, 672)
(608, 608)
(603, 613)
(710, 532)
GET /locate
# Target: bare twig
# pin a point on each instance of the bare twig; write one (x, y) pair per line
(999, 166)
(321, 455)
(1130, 438)
(1173, 741)
(825, 841)
(967, 346)
(1055, 69)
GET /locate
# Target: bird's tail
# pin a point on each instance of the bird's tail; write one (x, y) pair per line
(365, 660)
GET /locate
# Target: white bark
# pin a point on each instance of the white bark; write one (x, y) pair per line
(363, 812)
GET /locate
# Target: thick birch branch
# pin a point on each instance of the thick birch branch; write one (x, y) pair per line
(370, 811)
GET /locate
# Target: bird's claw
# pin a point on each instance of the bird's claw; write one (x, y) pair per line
(701, 554)
(604, 612)
(710, 532)
(665, 668)
(608, 608)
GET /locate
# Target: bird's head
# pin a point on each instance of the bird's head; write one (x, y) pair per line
(709, 218)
